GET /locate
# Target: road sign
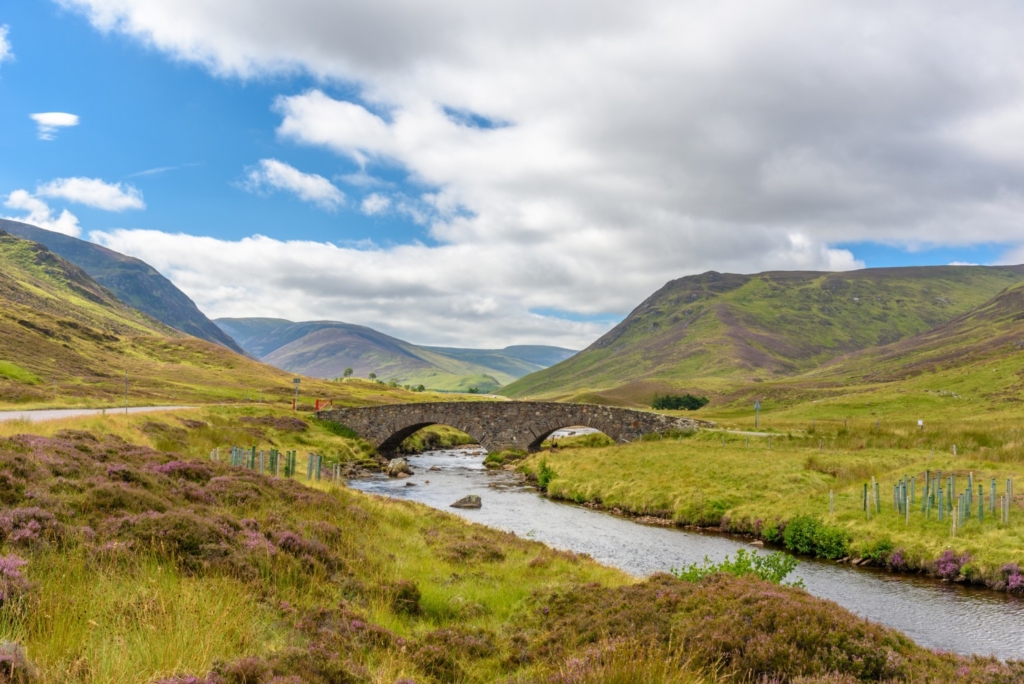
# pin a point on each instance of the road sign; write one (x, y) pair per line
(757, 405)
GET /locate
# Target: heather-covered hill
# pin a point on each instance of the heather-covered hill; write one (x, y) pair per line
(717, 331)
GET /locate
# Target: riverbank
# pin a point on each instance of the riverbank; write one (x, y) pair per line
(127, 563)
(740, 485)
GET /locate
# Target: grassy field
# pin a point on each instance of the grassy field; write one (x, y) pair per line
(742, 484)
(119, 562)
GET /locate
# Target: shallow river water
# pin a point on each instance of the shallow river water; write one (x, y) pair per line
(936, 615)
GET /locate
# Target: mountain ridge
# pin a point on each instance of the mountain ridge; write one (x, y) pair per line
(326, 348)
(131, 280)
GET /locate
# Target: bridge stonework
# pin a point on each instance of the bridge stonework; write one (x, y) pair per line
(499, 425)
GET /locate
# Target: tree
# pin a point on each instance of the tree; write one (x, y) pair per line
(674, 402)
(347, 373)
(373, 376)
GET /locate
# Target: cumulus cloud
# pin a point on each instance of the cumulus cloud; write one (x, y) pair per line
(375, 203)
(6, 52)
(637, 141)
(48, 123)
(41, 215)
(272, 174)
(94, 192)
(416, 291)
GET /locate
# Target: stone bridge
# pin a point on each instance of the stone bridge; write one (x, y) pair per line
(499, 425)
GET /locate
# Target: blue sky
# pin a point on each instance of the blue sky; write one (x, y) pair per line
(141, 111)
(487, 174)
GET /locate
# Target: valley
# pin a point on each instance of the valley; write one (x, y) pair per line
(842, 365)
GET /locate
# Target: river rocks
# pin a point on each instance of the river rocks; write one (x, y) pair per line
(398, 467)
(758, 543)
(471, 501)
(410, 484)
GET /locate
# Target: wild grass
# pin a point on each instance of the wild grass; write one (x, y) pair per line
(226, 576)
(739, 483)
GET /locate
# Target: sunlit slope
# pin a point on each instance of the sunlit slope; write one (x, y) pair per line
(971, 365)
(134, 282)
(65, 340)
(715, 331)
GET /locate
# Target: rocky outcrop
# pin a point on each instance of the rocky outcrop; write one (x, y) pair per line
(398, 467)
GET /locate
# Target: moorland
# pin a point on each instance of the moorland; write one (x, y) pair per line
(128, 553)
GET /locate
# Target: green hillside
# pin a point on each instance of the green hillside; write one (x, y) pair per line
(133, 281)
(65, 340)
(326, 348)
(715, 332)
(970, 366)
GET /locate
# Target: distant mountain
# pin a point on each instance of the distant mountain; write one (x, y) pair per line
(325, 349)
(133, 281)
(715, 331)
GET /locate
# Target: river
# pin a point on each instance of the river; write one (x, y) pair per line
(936, 615)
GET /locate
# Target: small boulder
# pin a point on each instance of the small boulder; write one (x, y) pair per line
(471, 501)
(758, 543)
(398, 466)
(410, 484)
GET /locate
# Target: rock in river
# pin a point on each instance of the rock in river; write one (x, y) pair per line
(398, 466)
(471, 501)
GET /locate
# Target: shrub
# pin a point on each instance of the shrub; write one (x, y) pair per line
(113, 497)
(774, 567)
(676, 402)
(27, 525)
(879, 550)
(185, 470)
(404, 597)
(949, 565)
(183, 536)
(13, 584)
(810, 536)
(545, 475)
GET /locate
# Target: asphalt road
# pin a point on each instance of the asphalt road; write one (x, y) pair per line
(40, 415)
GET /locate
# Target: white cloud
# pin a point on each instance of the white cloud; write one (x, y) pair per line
(375, 203)
(429, 295)
(639, 141)
(40, 214)
(6, 51)
(310, 187)
(49, 122)
(94, 192)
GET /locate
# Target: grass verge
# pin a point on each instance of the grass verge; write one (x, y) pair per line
(738, 483)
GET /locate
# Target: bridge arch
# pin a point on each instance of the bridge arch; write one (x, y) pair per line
(546, 432)
(390, 444)
(499, 425)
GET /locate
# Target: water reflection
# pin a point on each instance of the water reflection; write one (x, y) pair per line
(936, 615)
